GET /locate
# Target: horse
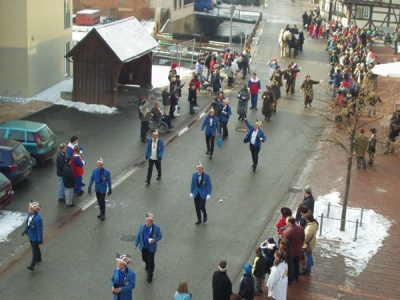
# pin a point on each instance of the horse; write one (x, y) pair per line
(294, 43)
(284, 41)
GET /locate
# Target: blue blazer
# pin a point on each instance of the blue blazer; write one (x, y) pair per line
(204, 187)
(126, 290)
(35, 228)
(211, 129)
(160, 149)
(104, 180)
(225, 117)
(260, 134)
(155, 234)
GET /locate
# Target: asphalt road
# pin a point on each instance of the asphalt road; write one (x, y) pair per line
(78, 253)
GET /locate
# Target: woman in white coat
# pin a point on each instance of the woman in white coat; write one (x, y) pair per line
(278, 279)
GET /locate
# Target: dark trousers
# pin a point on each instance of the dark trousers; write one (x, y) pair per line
(224, 128)
(200, 205)
(148, 259)
(210, 143)
(144, 129)
(254, 154)
(101, 200)
(36, 254)
(191, 108)
(296, 268)
(150, 169)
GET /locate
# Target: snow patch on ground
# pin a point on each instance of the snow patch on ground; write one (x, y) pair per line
(9, 221)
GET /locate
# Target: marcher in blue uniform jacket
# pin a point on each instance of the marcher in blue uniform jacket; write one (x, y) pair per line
(212, 129)
(261, 134)
(126, 289)
(155, 234)
(204, 188)
(160, 149)
(35, 228)
(102, 179)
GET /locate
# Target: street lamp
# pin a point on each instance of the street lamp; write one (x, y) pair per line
(231, 12)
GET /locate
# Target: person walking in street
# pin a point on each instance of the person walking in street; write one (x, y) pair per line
(77, 164)
(254, 86)
(308, 200)
(62, 159)
(200, 191)
(309, 243)
(246, 288)
(102, 179)
(295, 235)
(360, 147)
(372, 147)
(244, 97)
(154, 153)
(144, 115)
(148, 236)
(123, 280)
(268, 103)
(69, 184)
(211, 128)
(259, 265)
(221, 284)
(34, 230)
(182, 292)
(254, 137)
(226, 112)
(278, 279)
(308, 91)
(272, 64)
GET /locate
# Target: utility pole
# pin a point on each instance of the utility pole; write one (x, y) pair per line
(231, 11)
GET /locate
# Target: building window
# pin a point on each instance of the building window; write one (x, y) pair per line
(67, 14)
(362, 12)
(179, 3)
(188, 2)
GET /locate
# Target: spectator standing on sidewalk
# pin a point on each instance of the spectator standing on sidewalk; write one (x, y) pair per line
(77, 164)
(360, 147)
(221, 284)
(71, 145)
(62, 160)
(102, 179)
(309, 243)
(154, 153)
(372, 146)
(286, 249)
(123, 280)
(246, 288)
(34, 230)
(200, 191)
(69, 184)
(145, 115)
(255, 136)
(278, 279)
(147, 238)
(396, 40)
(207, 62)
(259, 265)
(254, 86)
(308, 200)
(192, 97)
(295, 235)
(269, 248)
(281, 225)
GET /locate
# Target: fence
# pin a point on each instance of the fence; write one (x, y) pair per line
(358, 222)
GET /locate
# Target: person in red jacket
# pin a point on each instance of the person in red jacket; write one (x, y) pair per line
(254, 86)
(281, 225)
(77, 164)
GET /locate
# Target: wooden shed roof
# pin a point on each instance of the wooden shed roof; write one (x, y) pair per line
(127, 38)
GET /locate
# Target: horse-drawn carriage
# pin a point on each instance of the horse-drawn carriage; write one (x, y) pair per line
(289, 41)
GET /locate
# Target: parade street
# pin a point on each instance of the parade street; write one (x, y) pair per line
(79, 249)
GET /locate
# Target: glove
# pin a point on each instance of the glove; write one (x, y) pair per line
(191, 195)
(24, 233)
(208, 197)
(109, 192)
(89, 190)
(321, 81)
(261, 139)
(147, 158)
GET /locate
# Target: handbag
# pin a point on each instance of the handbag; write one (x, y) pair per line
(307, 249)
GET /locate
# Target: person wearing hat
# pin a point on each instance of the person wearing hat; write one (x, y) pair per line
(123, 280)
(226, 111)
(200, 191)
(148, 236)
(372, 146)
(211, 128)
(308, 201)
(268, 105)
(254, 137)
(154, 153)
(246, 288)
(102, 179)
(360, 147)
(272, 65)
(221, 284)
(145, 115)
(34, 230)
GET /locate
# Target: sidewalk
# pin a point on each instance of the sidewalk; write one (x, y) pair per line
(373, 188)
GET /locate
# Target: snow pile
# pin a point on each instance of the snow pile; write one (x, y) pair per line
(9, 221)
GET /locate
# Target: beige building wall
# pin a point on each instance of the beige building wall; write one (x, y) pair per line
(32, 45)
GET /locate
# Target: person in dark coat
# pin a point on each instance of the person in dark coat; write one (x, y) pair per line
(62, 159)
(268, 103)
(34, 230)
(69, 184)
(307, 201)
(259, 265)
(192, 98)
(286, 249)
(247, 288)
(269, 248)
(221, 284)
(305, 18)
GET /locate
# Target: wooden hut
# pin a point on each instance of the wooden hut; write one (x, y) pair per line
(112, 54)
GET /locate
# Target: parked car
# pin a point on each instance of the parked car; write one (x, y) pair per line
(15, 161)
(243, 2)
(37, 138)
(6, 192)
(203, 5)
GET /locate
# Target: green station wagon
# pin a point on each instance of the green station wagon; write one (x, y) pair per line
(37, 138)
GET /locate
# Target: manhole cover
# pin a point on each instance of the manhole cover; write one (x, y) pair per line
(128, 238)
(242, 129)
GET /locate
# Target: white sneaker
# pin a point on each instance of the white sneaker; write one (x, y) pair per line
(177, 115)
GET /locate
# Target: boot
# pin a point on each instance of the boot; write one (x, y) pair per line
(305, 272)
